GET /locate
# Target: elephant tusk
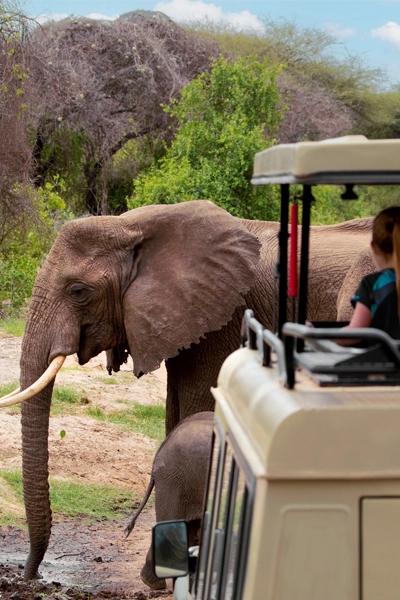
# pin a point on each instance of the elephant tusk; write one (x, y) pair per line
(16, 397)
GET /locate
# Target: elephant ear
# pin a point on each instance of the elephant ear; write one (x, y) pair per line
(193, 265)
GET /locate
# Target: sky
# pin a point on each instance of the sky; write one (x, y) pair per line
(366, 28)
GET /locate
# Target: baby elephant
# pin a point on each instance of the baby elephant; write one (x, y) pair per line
(179, 476)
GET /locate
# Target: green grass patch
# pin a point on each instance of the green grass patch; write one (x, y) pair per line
(7, 519)
(65, 397)
(109, 381)
(7, 388)
(13, 326)
(69, 499)
(141, 418)
(121, 378)
(11, 508)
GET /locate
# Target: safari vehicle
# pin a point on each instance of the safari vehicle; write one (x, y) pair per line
(303, 494)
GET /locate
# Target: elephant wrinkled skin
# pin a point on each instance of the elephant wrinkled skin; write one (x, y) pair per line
(164, 283)
(179, 476)
(362, 265)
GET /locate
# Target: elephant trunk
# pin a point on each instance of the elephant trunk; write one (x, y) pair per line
(35, 429)
(35, 426)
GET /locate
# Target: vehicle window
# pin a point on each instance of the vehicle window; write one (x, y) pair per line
(209, 511)
(227, 520)
(222, 524)
(235, 538)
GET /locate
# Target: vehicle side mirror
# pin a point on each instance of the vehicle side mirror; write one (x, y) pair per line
(170, 549)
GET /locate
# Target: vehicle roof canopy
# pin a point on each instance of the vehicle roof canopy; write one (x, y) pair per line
(349, 159)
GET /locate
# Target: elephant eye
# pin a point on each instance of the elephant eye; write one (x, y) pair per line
(78, 292)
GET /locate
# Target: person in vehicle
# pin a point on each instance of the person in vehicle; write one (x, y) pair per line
(377, 298)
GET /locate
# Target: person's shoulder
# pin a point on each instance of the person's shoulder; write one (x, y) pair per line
(370, 279)
(386, 275)
(383, 278)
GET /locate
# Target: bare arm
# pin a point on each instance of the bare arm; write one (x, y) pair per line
(362, 317)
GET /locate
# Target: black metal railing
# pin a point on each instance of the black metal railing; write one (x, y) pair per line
(263, 340)
(377, 360)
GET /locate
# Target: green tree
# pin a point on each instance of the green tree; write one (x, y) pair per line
(340, 92)
(22, 255)
(223, 118)
(329, 207)
(103, 83)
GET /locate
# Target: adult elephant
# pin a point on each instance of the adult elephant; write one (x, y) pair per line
(361, 266)
(164, 283)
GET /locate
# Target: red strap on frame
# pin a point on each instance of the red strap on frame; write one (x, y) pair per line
(293, 277)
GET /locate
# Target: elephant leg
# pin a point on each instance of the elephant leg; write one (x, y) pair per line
(147, 573)
(172, 401)
(190, 377)
(193, 372)
(194, 532)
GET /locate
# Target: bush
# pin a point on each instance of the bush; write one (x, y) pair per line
(224, 117)
(329, 207)
(22, 256)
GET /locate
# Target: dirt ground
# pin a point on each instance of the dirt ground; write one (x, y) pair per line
(85, 560)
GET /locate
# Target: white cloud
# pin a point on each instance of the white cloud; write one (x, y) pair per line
(51, 17)
(196, 10)
(59, 16)
(185, 11)
(339, 32)
(388, 33)
(99, 17)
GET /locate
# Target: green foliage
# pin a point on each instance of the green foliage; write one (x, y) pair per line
(384, 120)
(65, 153)
(142, 418)
(281, 41)
(136, 156)
(74, 499)
(22, 256)
(69, 154)
(314, 58)
(223, 118)
(17, 275)
(329, 207)
(376, 198)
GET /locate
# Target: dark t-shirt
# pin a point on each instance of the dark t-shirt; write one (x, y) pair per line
(377, 292)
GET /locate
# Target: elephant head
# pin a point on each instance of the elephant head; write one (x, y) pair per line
(152, 282)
